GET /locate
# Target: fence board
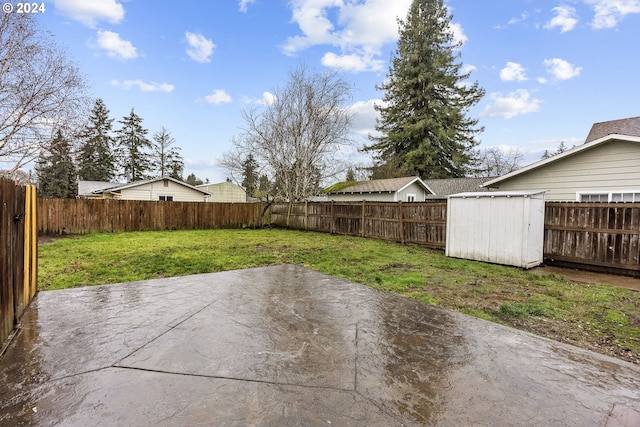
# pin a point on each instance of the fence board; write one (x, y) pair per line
(82, 216)
(18, 253)
(598, 236)
(421, 223)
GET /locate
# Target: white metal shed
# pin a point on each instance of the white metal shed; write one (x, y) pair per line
(502, 227)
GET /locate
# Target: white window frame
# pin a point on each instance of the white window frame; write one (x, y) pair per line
(411, 197)
(165, 198)
(610, 193)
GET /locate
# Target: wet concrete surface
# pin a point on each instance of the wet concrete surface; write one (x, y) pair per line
(287, 346)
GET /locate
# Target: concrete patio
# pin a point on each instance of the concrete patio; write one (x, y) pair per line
(287, 346)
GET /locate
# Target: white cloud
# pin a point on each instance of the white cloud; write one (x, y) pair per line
(513, 72)
(514, 104)
(609, 12)
(218, 96)
(267, 99)
(561, 69)
(143, 86)
(359, 29)
(513, 21)
(89, 12)
(200, 48)
(565, 19)
(115, 46)
(244, 4)
(353, 62)
(364, 116)
(458, 34)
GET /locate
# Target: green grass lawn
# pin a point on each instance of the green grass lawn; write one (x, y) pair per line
(602, 318)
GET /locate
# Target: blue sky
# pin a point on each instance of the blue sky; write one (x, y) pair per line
(550, 68)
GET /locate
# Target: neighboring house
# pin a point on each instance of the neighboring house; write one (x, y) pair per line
(408, 189)
(606, 168)
(226, 192)
(162, 188)
(94, 189)
(448, 186)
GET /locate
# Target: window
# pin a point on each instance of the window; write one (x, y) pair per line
(411, 197)
(165, 182)
(165, 198)
(594, 197)
(613, 196)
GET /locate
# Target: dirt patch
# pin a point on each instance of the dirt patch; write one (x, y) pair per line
(590, 277)
(578, 335)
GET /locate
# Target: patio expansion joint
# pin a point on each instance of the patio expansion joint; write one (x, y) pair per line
(170, 328)
(248, 380)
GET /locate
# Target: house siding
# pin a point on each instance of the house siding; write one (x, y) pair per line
(420, 193)
(226, 192)
(152, 191)
(614, 166)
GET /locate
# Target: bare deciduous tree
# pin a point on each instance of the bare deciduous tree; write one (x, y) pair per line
(40, 90)
(494, 162)
(295, 140)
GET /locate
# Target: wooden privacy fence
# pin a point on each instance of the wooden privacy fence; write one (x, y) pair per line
(82, 216)
(18, 253)
(416, 222)
(596, 236)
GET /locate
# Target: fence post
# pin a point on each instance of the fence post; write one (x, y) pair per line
(306, 216)
(362, 218)
(401, 222)
(331, 219)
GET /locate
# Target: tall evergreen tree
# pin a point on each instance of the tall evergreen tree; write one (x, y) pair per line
(561, 148)
(250, 177)
(192, 179)
(132, 148)
(95, 157)
(166, 159)
(423, 125)
(55, 169)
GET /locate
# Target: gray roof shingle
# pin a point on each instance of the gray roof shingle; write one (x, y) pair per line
(630, 127)
(445, 187)
(377, 186)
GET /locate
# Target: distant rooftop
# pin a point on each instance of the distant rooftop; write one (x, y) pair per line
(630, 127)
(389, 185)
(444, 187)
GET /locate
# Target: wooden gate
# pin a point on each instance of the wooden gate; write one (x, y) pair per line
(18, 253)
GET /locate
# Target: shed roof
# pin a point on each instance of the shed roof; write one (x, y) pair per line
(493, 194)
(390, 185)
(630, 126)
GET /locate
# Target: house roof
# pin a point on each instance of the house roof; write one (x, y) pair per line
(95, 187)
(447, 186)
(390, 185)
(559, 157)
(161, 178)
(630, 126)
(115, 187)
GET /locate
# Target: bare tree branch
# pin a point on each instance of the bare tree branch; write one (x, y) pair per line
(495, 162)
(296, 139)
(40, 90)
